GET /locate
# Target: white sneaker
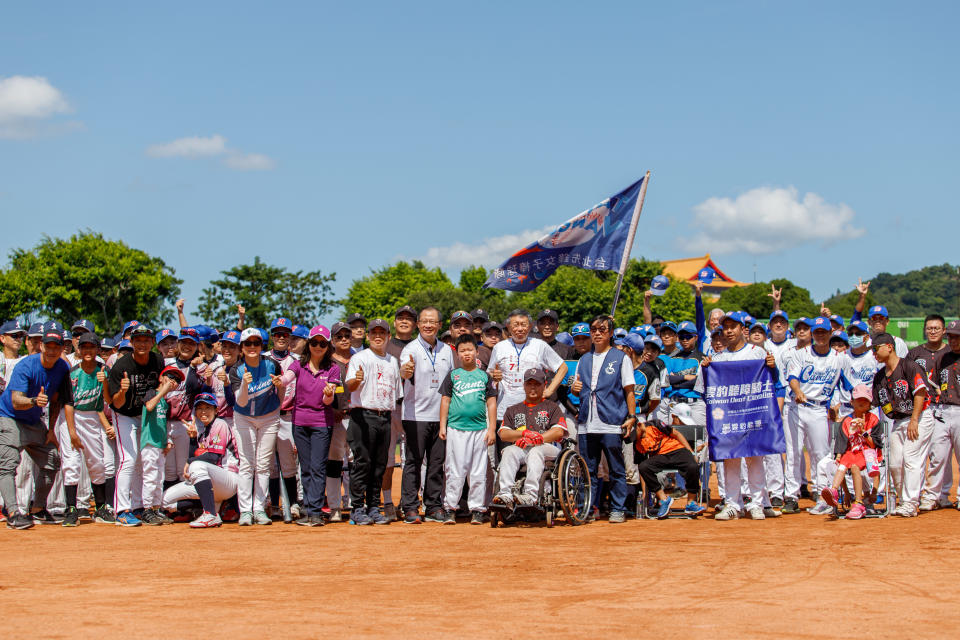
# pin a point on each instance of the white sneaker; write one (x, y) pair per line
(246, 519)
(820, 509)
(905, 511)
(295, 511)
(770, 512)
(928, 505)
(755, 512)
(207, 520)
(729, 512)
(335, 515)
(261, 517)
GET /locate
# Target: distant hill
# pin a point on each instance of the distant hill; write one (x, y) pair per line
(916, 293)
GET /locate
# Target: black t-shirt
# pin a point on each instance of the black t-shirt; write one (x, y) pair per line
(539, 417)
(924, 357)
(894, 394)
(142, 378)
(395, 346)
(563, 350)
(946, 374)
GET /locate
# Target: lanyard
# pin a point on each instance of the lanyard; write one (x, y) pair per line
(432, 359)
(519, 351)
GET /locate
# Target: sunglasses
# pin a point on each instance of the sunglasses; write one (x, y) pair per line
(342, 336)
(253, 343)
(319, 343)
(600, 330)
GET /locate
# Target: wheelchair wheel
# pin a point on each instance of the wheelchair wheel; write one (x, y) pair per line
(573, 487)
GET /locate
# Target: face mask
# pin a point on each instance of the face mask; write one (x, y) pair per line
(856, 341)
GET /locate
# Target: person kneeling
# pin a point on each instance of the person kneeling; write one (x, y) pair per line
(532, 429)
(212, 471)
(666, 448)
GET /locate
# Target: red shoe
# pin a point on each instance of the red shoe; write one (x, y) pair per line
(830, 496)
(856, 511)
(229, 515)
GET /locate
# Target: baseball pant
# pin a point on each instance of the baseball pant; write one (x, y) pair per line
(806, 425)
(368, 434)
(466, 460)
(96, 454)
(176, 458)
(512, 457)
(129, 487)
(773, 475)
(286, 452)
(944, 442)
(224, 484)
(313, 446)
(908, 458)
(256, 442)
(610, 445)
(423, 446)
(338, 496)
(732, 480)
(152, 465)
(721, 483)
(18, 436)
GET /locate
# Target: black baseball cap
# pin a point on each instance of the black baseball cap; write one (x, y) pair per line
(406, 309)
(492, 325)
(548, 313)
(378, 322)
(882, 338)
(460, 315)
(480, 314)
(535, 374)
(953, 329)
(338, 327)
(88, 337)
(142, 330)
(353, 317)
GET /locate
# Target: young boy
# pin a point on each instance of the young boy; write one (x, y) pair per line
(155, 443)
(663, 447)
(468, 418)
(89, 432)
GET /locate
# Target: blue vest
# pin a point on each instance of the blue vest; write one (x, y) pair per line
(611, 405)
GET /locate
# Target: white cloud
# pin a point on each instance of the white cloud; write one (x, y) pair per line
(26, 103)
(189, 147)
(211, 147)
(489, 252)
(767, 220)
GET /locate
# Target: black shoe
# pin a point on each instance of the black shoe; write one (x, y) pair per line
(310, 521)
(790, 506)
(19, 521)
(104, 515)
(804, 491)
(151, 517)
(776, 503)
(45, 517)
(70, 519)
(437, 515)
(411, 517)
(449, 517)
(476, 517)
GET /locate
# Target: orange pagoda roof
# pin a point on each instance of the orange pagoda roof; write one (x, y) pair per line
(688, 268)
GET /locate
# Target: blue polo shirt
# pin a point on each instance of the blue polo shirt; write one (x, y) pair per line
(28, 376)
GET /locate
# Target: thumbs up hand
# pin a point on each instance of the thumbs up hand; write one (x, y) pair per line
(101, 376)
(359, 375)
(42, 399)
(409, 367)
(577, 386)
(497, 373)
(247, 377)
(277, 381)
(125, 383)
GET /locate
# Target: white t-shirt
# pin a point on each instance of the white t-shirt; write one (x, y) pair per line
(514, 359)
(381, 386)
(421, 393)
(593, 423)
(6, 370)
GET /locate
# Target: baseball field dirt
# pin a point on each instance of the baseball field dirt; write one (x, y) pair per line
(798, 576)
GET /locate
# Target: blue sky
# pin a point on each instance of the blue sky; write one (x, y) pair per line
(321, 136)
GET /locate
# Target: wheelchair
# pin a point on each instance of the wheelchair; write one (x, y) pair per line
(564, 489)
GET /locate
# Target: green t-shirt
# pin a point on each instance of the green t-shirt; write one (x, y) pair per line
(468, 392)
(153, 429)
(87, 390)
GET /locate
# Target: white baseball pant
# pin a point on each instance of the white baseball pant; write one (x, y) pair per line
(466, 461)
(944, 443)
(257, 442)
(224, 484)
(286, 450)
(535, 458)
(773, 475)
(177, 457)
(908, 458)
(153, 463)
(805, 425)
(732, 478)
(338, 489)
(129, 483)
(97, 454)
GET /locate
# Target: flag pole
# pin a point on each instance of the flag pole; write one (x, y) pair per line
(630, 236)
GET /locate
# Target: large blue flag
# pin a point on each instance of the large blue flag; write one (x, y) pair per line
(743, 418)
(594, 239)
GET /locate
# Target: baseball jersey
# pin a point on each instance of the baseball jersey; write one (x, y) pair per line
(677, 366)
(216, 445)
(153, 429)
(421, 392)
(779, 351)
(87, 390)
(142, 378)
(179, 400)
(468, 392)
(946, 372)
(540, 417)
(381, 388)
(646, 387)
(894, 393)
(285, 359)
(818, 374)
(513, 360)
(857, 369)
(262, 396)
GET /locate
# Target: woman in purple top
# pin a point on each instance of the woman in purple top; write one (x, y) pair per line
(318, 377)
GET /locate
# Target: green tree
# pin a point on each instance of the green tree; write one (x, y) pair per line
(472, 279)
(916, 293)
(267, 292)
(381, 293)
(575, 294)
(755, 299)
(676, 304)
(88, 276)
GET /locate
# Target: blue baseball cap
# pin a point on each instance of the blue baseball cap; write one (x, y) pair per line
(638, 330)
(301, 331)
(618, 342)
(205, 398)
(634, 342)
(281, 324)
(232, 336)
(717, 329)
(124, 346)
(706, 275)
(35, 330)
(659, 284)
(669, 326)
(52, 332)
(687, 327)
(748, 319)
(189, 333)
(780, 314)
(736, 316)
(840, 335)
(838, 319)
(84, 325)
(821, 323)
(207, 334)
(580, 329)
(859, 324)
(878, 310)
(565, 338)
(108, 343)
(655, 341)
(619, 332)
(129, 325)
(803, 320)
(163, 334)
(12, 326)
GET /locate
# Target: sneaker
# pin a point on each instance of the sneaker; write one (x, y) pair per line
(729, 512)
(929, 505)
(261, 517)
(151, 517)
(359, 516)
(103, 515)
(694, 509)
(246, 519)
(437, 515)
(820, 509)
(127, 519)
(336, 515)
(412, 517)
(664, 511)
(831, 496)
(616, 517)
(377, 517)
(295, 512)
(856, 512)
(390, 512)
(476, 517)
(164, 518)
(905, 511)
(71, 517)
(526, 500)
(790, 506)
(504, 499)
(45, 517)
(776, 503)
(19, 521)
(770, 512)
(755, 511)
(207, 521)
(449, 517)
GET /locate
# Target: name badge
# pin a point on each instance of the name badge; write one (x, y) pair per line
(434, 382)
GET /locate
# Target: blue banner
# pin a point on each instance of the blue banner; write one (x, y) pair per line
(743, 418)
(595, 240)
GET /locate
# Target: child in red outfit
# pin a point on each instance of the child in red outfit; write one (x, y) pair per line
(856, 450)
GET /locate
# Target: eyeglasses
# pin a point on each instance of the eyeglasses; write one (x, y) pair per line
(17, 336)
(319, 343)
(253, 343)
(342, 336)
(600, 330)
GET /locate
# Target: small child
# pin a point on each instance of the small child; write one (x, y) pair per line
(468, 422)
(856, 450)
(155, 443)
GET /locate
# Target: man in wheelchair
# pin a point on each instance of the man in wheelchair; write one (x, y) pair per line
(531, 431)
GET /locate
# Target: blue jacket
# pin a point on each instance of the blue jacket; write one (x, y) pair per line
(677, 366)
(611, 405)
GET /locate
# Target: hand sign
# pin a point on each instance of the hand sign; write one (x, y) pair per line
(222, 375)
(191, 428)
(409, 367)
(577, 386)
(775, 293)
(101, 376)
(358, 376)
(329, 389)
(179, 304)
(247, 377)
(277, 381)
(42, 399)
(497, 374)
(863, 287)
(125, 383)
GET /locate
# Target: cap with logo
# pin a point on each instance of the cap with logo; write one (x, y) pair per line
(536, 374)
(803, 320)
(480, 314)
(878, 310)
(163, 334)
(492, 325)
(35, 330)
(205, 398)
(338, 327)
(838, 319)
(687, 327)
(861, 392)
(108, 343)
(251, 332)
(634, 342)
(378, 323)
(841, 335)
(620, 332)
(780, 314)
(666, 325)
(859, 324)
(407, 309)
(758, 325)
(321, 332)
(189, 333)
(11, 326)
(655, 341)
(141, 330)
(172, 371)
(124, 345)
(264, 335)
(659, 284)
(736, 316)
(82, 325)
(232, 336)
(706, 275)
(129, 325)
(580, 329)
(548, 313)
(564, 337)
(281, 324)
(953, 328)
(461, 315)
(353, 317)
(821, 323)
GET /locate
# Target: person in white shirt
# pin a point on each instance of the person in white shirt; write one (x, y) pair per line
(424, 363)
(510, 358)
(373, 379)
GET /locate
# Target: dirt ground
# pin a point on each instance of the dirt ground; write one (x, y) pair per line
(798, 576)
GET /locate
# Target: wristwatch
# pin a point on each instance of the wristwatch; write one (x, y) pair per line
(33, 402)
